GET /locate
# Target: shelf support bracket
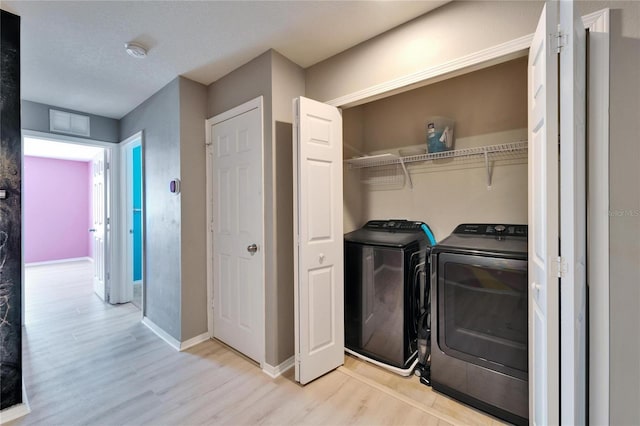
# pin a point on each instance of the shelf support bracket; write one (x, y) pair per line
(487, 165)
(406, 172)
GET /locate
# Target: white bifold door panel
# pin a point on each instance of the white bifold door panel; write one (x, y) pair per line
(556, 154)
(99, 223)
(237, 221)
(319, 269)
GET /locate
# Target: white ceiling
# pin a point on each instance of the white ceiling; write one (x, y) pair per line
(36, 147)
(73, 53)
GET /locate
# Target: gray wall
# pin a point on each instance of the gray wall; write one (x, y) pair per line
(247, 82)
(624, 204)
(460, 28)
(278, 80)
(35, 116)
(175, 225)
(159, 118)
(241, 85)
(193, 111)
(287, 83)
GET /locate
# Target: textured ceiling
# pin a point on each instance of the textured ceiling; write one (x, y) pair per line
(73, 51)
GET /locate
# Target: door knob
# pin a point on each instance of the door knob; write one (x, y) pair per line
(253, 248)
(92, 229)
(131, 231)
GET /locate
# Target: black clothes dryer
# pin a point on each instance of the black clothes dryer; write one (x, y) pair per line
(479, 347)
(386, 290)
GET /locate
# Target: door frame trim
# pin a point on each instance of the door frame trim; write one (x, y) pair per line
(256, 103)
(125, 295)
(598, 172)
(112, 264)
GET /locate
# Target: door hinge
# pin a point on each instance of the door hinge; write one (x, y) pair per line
(108, 165)
(108, 221)
(561, 40)
(108, 276)
(561, 266)
(297, 359)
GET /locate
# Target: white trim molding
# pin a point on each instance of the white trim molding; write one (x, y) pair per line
(112, 150)
(58, 261)
(16, 411)
(597, 21)
(194, 341)
(173, 342)
(276, 371)
(123, 292)
(598, 216)
(464, 64)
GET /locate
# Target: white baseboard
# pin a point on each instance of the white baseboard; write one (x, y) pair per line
(174, 343)
(54, 262)
(194, 341)
(274, 372)
(16, 411)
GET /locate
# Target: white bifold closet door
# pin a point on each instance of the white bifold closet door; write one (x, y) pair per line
(557, 225)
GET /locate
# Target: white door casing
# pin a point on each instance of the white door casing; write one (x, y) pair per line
(573, 292)
(319, 269)
(125, 291)
(237, 224)
(98, 227)
(598, 217)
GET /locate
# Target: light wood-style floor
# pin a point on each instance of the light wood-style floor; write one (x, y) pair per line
(90, 363)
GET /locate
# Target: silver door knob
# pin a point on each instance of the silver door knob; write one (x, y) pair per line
(252, 249)
(92, 230)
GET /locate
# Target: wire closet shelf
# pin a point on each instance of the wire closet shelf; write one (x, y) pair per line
(488, 153)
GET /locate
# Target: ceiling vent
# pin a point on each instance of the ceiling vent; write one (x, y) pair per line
(66, 122)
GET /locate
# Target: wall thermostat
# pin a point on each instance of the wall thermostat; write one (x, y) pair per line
(174, 186)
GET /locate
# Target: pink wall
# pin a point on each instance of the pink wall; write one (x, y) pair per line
(57, 209)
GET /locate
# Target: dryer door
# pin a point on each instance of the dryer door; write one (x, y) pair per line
(482, 311)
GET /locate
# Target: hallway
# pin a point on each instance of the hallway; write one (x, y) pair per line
(87, 362)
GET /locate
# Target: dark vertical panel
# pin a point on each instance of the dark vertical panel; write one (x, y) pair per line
(10, 215)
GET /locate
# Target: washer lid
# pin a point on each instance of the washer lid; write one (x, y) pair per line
(385, 238)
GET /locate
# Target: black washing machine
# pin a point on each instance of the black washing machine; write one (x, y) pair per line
(386, 290)
(479, 347)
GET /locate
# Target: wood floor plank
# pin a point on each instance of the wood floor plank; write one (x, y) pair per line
(90, 363)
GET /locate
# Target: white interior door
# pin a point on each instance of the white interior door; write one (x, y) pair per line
(237, 216)
(573, 225)
(98, 229)
(319, 276)
(131, 198)
(556, 258)
(543, 224)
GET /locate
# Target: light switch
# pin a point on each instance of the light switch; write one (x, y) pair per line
(3, 194)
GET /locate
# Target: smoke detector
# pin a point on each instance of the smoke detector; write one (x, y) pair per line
(135, 50)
